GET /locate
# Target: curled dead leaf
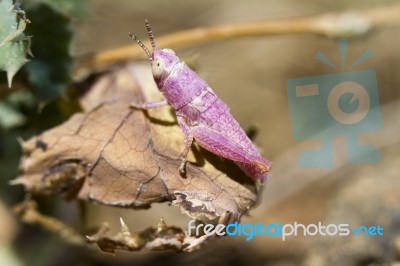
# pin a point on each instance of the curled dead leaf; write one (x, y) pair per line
(118, 156)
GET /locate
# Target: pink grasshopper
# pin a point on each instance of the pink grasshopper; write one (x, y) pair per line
(201, 115)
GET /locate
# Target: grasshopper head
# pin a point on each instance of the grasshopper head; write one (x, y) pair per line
(162, 60)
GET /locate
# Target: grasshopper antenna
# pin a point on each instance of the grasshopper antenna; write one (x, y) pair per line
(151, 36)
(141, 45)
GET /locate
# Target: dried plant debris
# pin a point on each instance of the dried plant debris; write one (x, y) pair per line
(158, 238)
(161, 237)
(115, 155)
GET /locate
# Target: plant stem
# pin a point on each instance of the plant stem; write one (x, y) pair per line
(344, 24)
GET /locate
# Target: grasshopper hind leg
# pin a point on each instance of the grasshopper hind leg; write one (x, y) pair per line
(250, 161)
(257, 172)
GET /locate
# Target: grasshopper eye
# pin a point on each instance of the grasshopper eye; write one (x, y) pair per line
(157, 68)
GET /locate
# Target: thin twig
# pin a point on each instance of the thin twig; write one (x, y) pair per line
(344, 24)
(28, 212)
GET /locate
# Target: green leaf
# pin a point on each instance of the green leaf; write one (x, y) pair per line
(76, 8)
(50, 71)
(14, 45)
(9, 117)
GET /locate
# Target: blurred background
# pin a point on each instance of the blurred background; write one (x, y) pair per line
(250, 75)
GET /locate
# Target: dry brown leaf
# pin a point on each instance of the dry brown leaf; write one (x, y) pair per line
(118, 156)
